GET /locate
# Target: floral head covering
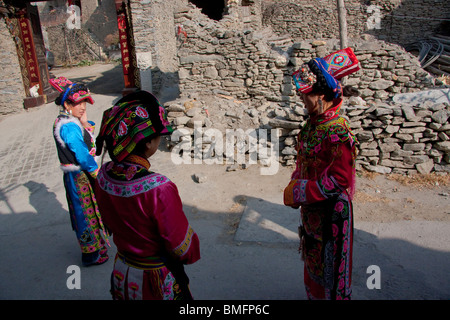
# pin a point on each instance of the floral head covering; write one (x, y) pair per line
(71, 91)
(334, 66)
(133, 118)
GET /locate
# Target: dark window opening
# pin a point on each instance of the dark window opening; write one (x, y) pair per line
(444, 28)
(247, 3)
(214, 9)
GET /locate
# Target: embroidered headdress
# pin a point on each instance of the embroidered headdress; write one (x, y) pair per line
(71, 91)
(333, 67)
(133, 118)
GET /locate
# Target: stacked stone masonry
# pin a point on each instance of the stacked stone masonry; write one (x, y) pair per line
(236, 72)
(393, 138)
(402, 138)
(257, 64)
(396, 21)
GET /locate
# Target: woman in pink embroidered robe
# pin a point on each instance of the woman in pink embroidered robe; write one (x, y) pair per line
(145, 215)
(142, 209)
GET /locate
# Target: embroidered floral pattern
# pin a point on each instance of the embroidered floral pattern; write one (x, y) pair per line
(90, 240)
(336, 131)
(133, 288)
(123, 129)
(328, 187)
(132, 188)
(144, 282)
(131, 171)
(168, 293)
(163, 116)
(299, 191)
(117, 289)
(128, 122)
(141, 112)
(328, 245)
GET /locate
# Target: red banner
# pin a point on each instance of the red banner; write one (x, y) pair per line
(29, 52)
(123, 40)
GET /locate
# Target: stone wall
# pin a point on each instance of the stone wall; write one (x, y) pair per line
(159, 28)
(155, 33)
(258, 64)
(11, 86)
(396, 21)
(404, 138)
(393, 138)
(306, 19)
(244, 52)
(223, 55)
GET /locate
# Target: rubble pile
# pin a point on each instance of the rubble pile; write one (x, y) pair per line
(393, 137)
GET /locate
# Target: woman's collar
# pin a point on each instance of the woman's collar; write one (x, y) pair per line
(135, 159)
(329, 114)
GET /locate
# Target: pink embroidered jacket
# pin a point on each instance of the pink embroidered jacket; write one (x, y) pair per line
(144, 213)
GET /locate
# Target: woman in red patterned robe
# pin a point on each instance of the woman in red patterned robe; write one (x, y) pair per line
(323, 183)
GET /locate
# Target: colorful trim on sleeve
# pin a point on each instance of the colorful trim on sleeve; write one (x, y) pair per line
(295, 192)
(181, 249)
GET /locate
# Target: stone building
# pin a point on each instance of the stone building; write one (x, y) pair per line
(191, 43)
(70, 29)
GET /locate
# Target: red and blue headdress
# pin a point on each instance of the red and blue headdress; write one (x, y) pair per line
(333, 67)
(133, 118)
(71, 91)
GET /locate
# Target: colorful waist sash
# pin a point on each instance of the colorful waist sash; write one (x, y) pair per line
(150, 263)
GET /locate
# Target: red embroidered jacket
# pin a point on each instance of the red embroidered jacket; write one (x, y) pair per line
(326, 153)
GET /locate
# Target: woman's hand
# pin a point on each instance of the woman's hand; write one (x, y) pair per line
(84, 120)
